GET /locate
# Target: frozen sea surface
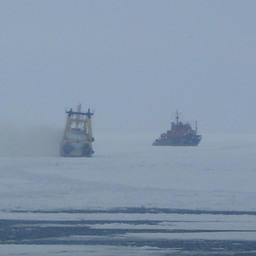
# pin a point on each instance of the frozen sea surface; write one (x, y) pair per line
(132, 199)
(219, 174)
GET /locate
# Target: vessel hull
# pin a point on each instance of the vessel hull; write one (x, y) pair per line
(75, 150)
(178, 141)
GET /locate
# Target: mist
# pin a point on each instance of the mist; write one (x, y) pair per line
(29, 141)
(133, 62)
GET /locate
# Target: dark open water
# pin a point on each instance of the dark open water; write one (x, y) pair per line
(125, 233)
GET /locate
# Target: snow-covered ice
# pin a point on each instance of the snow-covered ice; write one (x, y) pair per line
(77, 196)
(127, 171)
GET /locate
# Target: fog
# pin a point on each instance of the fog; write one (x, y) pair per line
(29, 141)
(133, 62)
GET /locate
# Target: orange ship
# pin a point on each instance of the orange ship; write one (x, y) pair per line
(181, 134)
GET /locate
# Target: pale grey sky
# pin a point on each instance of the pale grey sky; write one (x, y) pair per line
(135, 62)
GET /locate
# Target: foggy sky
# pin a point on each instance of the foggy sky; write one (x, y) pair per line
(134, 62)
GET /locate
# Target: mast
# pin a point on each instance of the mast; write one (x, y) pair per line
(177, 117)
(68, 122)
(89, 115)
(77, 119)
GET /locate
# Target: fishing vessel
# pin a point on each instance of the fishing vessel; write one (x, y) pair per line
(180, 134)
(77, 138)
